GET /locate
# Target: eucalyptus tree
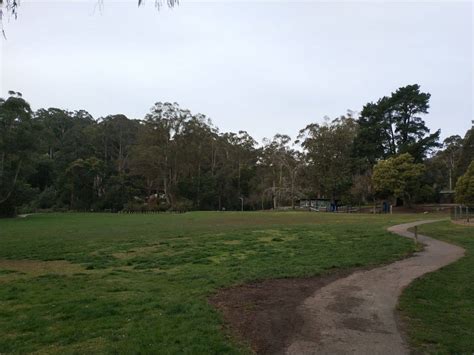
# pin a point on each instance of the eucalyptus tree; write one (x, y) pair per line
(18, 143)
(239, 153)
(116, 134)
(158, 142)
(196, 157)
(84, 183)
(281, 166)
(328, 149)
(175, 150)
(65, 137)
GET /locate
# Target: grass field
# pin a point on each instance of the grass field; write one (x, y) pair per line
(439, 308)
(139, 283)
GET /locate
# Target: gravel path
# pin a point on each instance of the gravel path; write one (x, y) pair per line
(356, 314)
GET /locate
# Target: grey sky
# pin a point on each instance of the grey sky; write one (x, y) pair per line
(264, 67)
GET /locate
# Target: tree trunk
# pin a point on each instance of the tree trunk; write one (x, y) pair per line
(275, 204)
(13, 184)
(292, 193)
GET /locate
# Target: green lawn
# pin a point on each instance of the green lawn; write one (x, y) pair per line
(439, 308)
(139, 283)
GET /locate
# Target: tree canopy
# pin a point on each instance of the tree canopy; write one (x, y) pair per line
(398, 177)
(174, 159)
(394, 125)
(465, 187)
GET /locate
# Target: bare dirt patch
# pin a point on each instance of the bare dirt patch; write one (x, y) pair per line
(39, 267)
(264, 314)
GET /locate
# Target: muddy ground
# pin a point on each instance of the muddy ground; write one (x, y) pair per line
(264, 314)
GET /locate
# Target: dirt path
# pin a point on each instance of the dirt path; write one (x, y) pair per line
(356, 314)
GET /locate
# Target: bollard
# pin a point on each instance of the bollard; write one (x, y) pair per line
(416, 234)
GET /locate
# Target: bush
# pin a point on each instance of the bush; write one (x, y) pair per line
(465, 187)
(19, 200)
(182, 205)
(47, 198)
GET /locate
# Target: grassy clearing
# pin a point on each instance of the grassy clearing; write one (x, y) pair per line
(439, 308)
(139, 283)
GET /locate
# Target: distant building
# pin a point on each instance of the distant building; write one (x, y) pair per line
(316, 204)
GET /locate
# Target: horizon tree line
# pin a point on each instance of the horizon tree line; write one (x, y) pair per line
(173, 159)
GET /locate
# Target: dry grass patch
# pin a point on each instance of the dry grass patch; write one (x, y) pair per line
(39, 267)
(139, 251)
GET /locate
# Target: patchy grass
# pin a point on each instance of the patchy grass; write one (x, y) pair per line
(438, 309)
(139, 283)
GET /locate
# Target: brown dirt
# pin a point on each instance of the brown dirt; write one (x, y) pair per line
(263, 314)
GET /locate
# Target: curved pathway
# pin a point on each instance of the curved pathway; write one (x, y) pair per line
(356, 314)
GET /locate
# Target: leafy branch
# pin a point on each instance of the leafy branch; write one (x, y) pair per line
(11, 7)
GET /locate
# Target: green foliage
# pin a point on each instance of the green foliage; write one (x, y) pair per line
(393, 126)
(398, 177)
(466, 153)
(47, 198)
(173, 155)
(465, 187)
(18, 140)
(84, 177)
(329, 148)
(138, 283)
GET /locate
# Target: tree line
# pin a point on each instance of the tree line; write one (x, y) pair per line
(173, 159)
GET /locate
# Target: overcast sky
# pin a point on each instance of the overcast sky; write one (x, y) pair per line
(265, 67)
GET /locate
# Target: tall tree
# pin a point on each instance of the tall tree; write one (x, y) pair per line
(328, 150)
(394, 125)
(18, 141)
(281, 166)
(85, 182)
(55, 158)
(117, 135)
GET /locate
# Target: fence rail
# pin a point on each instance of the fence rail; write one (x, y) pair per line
(462, 213)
